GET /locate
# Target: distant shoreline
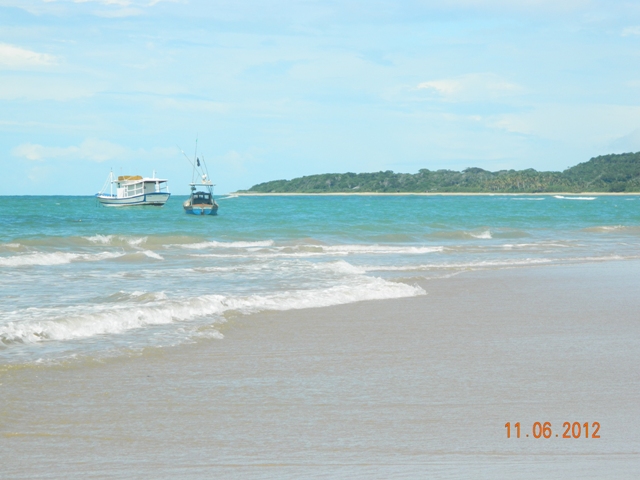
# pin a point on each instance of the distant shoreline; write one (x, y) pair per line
(613, 173)
(431, 194)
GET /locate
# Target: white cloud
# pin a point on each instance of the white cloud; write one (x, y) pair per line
(106, 8)
(120, 13)
(193, 105)
(129, 3)
(628, 31)
(627, 143)
(40, 174)
(39, 87)
(547, 5)
(14, 57)
(239, 162)
(472, 87)
(123, 8)
(92, 149)
(592, 125)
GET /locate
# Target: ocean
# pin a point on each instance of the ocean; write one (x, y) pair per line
(86, 289)
(79, 279)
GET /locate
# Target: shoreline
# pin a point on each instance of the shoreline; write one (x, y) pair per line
(432, 194)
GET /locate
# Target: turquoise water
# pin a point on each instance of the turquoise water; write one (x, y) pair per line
(81, 280)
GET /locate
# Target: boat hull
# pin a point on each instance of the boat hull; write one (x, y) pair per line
(150, 199)
(201, 209)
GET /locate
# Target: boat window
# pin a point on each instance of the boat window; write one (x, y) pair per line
(202, 198)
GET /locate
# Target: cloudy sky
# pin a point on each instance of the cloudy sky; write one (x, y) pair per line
(278, 89)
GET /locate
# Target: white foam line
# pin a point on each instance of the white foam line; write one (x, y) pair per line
(135, 242)
(562, 197)
(113, 319)
(486, 235)
(300, 250)
(56, 258)
(437, 266)
(339, 266)
(152, 254)
(381, 249)
(606, 228)
(266, 255)
(488, 263)
(112, 239)
(336, 250)
(214, 244)
(539, 245)
(102, 239)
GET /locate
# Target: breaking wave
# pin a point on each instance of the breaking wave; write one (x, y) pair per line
(380, 249)
(302, 251)
(494, 263)
(117, 240)
(485, 235)
(634, 230)
(70, 324)
(214, 244)
(55, 258)
(562, 197)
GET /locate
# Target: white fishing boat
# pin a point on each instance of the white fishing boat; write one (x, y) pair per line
(201, 201)
(129, 190)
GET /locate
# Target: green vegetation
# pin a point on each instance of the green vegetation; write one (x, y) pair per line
(607, 173)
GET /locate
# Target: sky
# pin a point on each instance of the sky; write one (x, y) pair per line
(274, 89)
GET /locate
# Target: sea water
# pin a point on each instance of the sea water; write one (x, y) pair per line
(78, 280)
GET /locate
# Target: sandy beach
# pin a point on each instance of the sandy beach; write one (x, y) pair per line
(408, 388)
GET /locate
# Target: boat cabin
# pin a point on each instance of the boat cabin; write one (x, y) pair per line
(201, 198)
(132, 185)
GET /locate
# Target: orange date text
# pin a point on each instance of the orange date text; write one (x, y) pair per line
(545, 430)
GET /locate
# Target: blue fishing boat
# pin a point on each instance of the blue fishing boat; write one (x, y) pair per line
(201, 201)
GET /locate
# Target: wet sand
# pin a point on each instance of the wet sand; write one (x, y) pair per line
(410, 388)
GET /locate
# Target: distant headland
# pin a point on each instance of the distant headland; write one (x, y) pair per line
(615, 173)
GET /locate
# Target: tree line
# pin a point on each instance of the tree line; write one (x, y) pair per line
(606, 173)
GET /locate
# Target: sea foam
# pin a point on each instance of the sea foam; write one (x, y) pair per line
(116, 240)
(380, 249)
(54, 258)
(70, 324)
(562, 197)
(484, 235)
(214, 244)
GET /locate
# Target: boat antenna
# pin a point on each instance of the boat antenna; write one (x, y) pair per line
(192, 162)
(200, 168)
(185, 155)
(195, 160)
(206, 169)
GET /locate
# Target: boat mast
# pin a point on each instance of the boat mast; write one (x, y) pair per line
(195, 160)
(206, 169)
